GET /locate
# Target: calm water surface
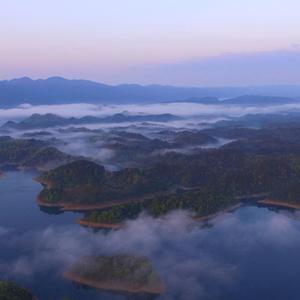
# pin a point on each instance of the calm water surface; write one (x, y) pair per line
(251, 253)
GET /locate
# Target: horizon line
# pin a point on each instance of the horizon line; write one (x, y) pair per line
(145, 85)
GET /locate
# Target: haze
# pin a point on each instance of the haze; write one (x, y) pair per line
(169, 42)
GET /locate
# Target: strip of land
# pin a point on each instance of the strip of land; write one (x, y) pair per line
(63, 206)
(114, 226)
(115, 285)
(96, 225)
(217, 214)
(279, 203)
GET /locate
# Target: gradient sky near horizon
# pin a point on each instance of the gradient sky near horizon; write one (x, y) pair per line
(192, 42)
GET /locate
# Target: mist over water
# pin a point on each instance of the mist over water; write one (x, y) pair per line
(249, 253)
(184, 137)
(246, 254)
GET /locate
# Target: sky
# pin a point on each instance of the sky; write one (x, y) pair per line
(192, 42)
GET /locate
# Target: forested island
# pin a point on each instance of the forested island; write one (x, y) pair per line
(204, 183)
(163, 170)
(122, 273)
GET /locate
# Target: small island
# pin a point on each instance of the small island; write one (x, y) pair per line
(120, 273)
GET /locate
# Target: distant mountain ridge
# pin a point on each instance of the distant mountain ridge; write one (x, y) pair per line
(246, 100)
(51, 120)
(56, 90)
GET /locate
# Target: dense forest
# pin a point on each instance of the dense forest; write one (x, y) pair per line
(30, 154)
(204, 182)
(261, 156)
(11, 291)
(201, 202)
(121, 272)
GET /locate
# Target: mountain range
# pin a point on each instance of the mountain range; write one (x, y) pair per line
(50, 120)
(57, 90)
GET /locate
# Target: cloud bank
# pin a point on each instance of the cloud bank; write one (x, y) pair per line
(195, 262)
(179, 109)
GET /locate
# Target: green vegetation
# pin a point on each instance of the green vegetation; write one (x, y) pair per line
(11, 291)
(126, 271)
(190, 138)
(264, 161)
(30, 153)
(215, 173)
(86, 182)
(202, 202)
(37, 121)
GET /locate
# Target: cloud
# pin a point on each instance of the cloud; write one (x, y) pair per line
(187, 110)
(195, 262)
(68, 110)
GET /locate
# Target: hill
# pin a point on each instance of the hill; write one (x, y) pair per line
(260, 162)
(30, 154)
(56, 90)
(124, 273)
(36, 121)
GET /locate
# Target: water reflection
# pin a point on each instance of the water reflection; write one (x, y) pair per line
(51, 210)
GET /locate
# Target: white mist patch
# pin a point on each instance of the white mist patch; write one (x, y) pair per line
(188, 256)
(66, 110)
(179, 109)
(78, 144)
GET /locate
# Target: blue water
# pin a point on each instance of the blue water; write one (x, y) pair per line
(251, 253)
(21, 216)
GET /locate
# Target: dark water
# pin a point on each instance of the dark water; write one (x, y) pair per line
(251, 253)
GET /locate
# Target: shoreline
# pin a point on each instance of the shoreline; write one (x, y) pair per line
(216, 214)
(116, 226)
(114, 286)
(96, 225)
(255, 199)
(84, 207)
(279, 203)
(90, 207)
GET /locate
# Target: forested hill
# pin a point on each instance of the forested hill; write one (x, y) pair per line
(232, 171)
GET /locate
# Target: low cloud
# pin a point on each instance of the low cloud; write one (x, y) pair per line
(188, 110)
(195, 262)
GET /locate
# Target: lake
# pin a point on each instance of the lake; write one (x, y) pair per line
(250, 253)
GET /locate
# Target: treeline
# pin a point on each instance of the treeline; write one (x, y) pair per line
(11, 291)
(221, 171)
(202, 202)
(30, 153)
(204, 182)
